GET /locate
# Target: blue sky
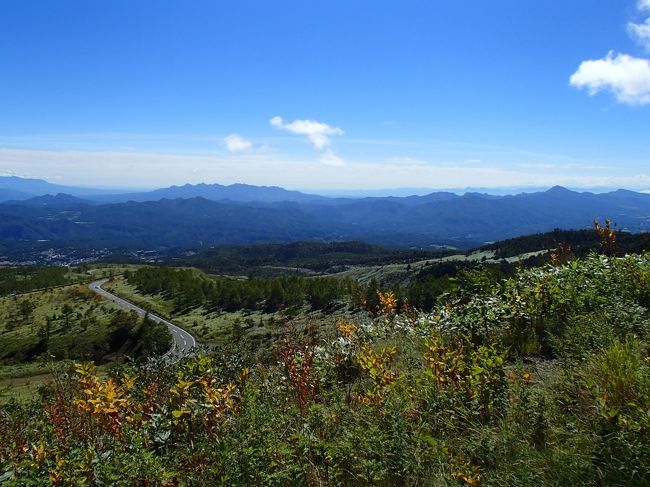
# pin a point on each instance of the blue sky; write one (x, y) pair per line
(327, 94)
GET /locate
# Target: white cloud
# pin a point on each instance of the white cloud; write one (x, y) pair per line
(627, 77)
(319, 133)
(237, 143)
(329, 158)
(640, 33)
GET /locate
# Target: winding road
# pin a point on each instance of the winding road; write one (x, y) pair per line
(184, 343)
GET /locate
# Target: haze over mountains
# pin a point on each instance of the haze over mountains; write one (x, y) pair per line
(194, 216)
(18, 189)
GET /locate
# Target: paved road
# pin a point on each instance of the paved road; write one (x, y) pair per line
(183, 341)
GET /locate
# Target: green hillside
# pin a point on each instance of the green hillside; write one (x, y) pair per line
(542, 378)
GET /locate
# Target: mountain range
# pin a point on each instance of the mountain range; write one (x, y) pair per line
(196, 216)
(13, 188)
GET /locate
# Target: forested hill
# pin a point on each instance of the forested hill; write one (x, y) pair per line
(294, 257)
(579, 242)
(433, 220)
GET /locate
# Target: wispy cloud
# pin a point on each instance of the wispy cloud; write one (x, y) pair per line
(413, 162)
(95, 168)
(528, 165)
(626, 77)
(406, 161)
(640, 33)
(237, 143)
(329, 158)
(319, 134)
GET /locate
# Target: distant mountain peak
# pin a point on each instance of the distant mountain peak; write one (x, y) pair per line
(238, 192)
(559, 189)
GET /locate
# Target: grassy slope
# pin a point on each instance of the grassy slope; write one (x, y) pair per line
(22, 332)
(402, 274)
(217, 327)
(21, 379)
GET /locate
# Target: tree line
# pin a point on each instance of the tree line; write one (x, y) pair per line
(16, 280)
(189, 289)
